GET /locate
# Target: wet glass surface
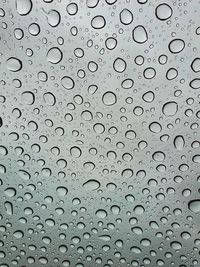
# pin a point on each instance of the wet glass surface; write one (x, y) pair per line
(99, 133)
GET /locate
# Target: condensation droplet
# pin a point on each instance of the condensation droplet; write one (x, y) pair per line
(140, 34)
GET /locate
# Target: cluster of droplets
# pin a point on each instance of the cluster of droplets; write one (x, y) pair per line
(99, 130)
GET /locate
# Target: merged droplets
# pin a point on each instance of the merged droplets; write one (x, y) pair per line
(53, 17)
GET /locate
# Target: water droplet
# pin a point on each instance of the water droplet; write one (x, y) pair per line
(163, 11)
(195, 84)
(14, 64)
(101, 213)
(126, 16)
(109, 98)
(140, 34)
(24, 7)
(195, 65)
(54, 55)
(179, 142)
(91, 184)
(98, 22)
(194, 205)
(10, 191)
(176, 46)
(119, 65)
(170, 108)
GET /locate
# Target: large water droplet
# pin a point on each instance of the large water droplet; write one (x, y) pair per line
(54, 55)
(140, 34)
(24, 6)
(91, 184)
(194, 205)
(109, 98)
(170, 108)
(14, 64)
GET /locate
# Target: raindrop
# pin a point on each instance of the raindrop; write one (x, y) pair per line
(194, 205)
(72, 9)
(179, 142)
(23, 7)
(126, 16)
(10, 192)
(101, 213)
(53, 17)
(14, 64)
(98, 22)
(195, 84)
(170, 108)
(91, 184)
(75, 152)
(163, 11)
(49, 99)
(67, 82)
(61, 191)
(176, 46)
(140, 34)
(109, 98)
(111, 43)
(195, 65)
(54, 55)
(119, 65)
